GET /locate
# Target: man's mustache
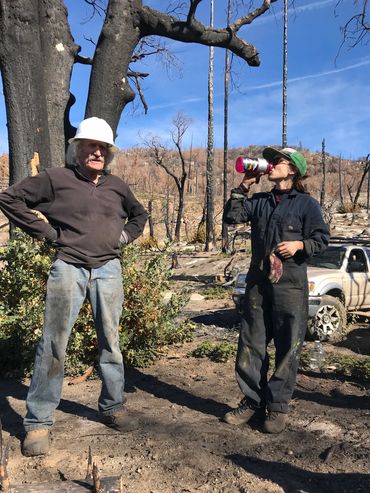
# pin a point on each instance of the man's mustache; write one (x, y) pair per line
(96, 158)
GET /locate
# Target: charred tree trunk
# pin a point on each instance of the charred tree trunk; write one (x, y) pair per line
(150, 218)
(210, 234)
(202, 222)
(180, 209)
(224, 233)
(323, 183)
(285, 74)
(341, 198)
(362, 179)
(167, 217)
(36, 57)
(109, 89)
(37, 53)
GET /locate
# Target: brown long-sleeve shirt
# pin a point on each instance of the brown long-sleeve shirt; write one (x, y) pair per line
(86, 220)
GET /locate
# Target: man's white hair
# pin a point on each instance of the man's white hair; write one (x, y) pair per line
(73, 149)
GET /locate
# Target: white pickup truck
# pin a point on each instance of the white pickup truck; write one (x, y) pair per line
(339, 283)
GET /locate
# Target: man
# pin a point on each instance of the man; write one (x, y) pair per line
(90, 213)
(287, 227)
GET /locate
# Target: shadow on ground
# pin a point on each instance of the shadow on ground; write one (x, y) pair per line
(228, 318)
(163, 390)
(12, 421)
(297, 480)
(358, 339)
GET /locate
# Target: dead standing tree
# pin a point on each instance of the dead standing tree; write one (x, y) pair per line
(225, 236)
(210, 226)
(164, 158)
(38, 52)
(323, 181)
(365, 172)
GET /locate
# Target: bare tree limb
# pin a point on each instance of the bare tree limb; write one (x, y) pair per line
(97, 6)
(84, 60)
(136, 77)
(357, 27)
(192, 9)
(153, 22)
(248, 19)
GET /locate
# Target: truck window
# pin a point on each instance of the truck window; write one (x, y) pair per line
(357, 261)
(331, 258)
(368, 254)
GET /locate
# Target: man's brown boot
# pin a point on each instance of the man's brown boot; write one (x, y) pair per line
(275, 422)
(242, 414)
(36, 442)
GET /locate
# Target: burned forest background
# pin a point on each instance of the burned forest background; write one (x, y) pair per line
(341, 186)
(171, 183)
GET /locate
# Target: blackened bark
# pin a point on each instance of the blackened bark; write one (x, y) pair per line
(323, 182)
(150, 218)
(21, 60)
(180, 210)
(58, 52)
(210, 232)
(33, 68)
(225, 232)
(109, 89)
(341, 199)
(167, 217)
(37, 53)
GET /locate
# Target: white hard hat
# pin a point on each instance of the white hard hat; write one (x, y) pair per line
(95, 129)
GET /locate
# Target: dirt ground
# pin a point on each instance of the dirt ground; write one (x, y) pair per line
(180, 445)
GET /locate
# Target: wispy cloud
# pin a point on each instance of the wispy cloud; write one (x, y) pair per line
(309, 76)
(314, 112)
(175, 103)
(274, 15)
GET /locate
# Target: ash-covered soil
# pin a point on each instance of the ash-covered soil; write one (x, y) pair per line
(180, 444)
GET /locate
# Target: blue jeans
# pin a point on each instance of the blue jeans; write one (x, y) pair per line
(67, 288)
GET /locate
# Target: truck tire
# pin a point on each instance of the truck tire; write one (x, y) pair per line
(330, 322)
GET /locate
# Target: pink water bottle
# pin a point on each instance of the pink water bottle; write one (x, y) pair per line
(253, 167)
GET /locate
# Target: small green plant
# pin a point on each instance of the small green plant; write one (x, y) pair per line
(148, 322)
(219, 352)
(216, 293)
(357, 367)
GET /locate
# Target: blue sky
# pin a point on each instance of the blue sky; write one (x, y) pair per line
(328, 92)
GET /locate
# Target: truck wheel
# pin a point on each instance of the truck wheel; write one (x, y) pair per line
(329, 323)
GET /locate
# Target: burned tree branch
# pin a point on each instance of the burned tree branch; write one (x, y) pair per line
(248, 19)
(84, 60)
(157, 23)
(192, 9)
(136, 76)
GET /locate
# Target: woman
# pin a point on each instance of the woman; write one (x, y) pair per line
(287, 227)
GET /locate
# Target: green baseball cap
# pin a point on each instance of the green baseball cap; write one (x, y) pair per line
(296, 158)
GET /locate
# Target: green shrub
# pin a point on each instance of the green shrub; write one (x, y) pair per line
(352, 366)
(357, 367)
(216, 293)
(148, 323)
(220, 352)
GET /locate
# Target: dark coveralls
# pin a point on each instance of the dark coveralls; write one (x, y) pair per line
(278, 311)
